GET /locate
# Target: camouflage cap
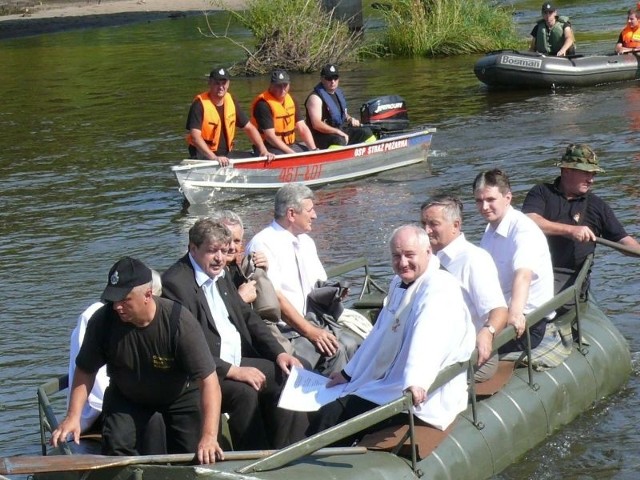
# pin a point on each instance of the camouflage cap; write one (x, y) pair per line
(580, 157)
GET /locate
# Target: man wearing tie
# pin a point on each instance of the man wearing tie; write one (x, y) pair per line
(250, 364)
(294, 269)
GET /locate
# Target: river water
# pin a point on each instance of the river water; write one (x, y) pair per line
(92, 120)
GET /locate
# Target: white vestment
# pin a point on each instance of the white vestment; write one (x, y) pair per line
(420, 330)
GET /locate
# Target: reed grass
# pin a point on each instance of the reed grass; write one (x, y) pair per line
(447, 27)
(299, 35)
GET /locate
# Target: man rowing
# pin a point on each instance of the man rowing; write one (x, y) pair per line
(572, 217)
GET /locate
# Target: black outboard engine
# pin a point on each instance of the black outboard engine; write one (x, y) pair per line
(385, 114)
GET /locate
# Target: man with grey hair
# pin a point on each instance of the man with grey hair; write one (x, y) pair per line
(90, 419)
(441, 218)
(250, 363)
(158, 361)
(235, 255)
(294, 269)
(424, 327)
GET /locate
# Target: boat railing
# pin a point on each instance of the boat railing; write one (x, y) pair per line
(48, 419)
(368, 419)
(369, 289)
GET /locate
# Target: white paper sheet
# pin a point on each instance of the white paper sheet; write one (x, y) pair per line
(306, 391)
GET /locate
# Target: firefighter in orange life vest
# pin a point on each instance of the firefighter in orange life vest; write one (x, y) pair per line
(212, 121)
(278, 118)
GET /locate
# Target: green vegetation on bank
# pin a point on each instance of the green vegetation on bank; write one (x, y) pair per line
(447, 27)
(298, 35)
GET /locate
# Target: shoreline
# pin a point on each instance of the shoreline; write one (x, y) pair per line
(45, 18)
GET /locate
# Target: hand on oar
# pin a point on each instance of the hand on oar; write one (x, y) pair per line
(627, 250)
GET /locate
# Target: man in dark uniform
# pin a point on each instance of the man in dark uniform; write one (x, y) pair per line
(552, 35)
(157, 361)
(571, 216)
(251, 364)
(213, 118)
(327, 115)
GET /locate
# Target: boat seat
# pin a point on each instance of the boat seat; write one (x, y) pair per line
(499, 380)
(395, 439)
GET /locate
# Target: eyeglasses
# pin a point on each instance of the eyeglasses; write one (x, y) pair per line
(332, 78)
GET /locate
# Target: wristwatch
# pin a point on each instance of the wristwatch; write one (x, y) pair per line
(491, 329)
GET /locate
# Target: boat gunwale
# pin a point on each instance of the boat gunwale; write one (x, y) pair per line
(194, 164)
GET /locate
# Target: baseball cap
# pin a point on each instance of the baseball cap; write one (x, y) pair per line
(329, 70)
(548, 7)
(219, 73)
(580, 157)
(125, 274)
(280, 77)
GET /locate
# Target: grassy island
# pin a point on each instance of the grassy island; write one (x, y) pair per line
(300, 35)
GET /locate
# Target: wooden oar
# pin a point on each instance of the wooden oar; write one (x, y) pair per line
(618, 246)
(76, 463)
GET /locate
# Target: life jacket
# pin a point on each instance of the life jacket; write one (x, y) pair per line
(336, 113)
(630, 38)
(211, 122)
(283, 113)
(550, 41)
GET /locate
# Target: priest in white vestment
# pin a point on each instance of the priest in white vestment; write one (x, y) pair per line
(423, 327)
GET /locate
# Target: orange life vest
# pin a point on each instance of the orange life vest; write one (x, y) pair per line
(211, 122)
(630, 38)
(283, 113)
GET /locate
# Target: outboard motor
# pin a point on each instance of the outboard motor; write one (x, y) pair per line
(385, 114)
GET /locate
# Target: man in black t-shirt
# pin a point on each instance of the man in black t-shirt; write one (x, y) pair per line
(213, 118)
(570, 215)
(156, 359)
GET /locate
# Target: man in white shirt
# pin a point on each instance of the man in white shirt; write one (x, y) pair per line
(441, 217)
(294, 269)
(423, 327)
(521, 254)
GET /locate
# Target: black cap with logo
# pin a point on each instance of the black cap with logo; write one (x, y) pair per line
(125, 274)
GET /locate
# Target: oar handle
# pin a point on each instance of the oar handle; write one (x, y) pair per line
(618, 246)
